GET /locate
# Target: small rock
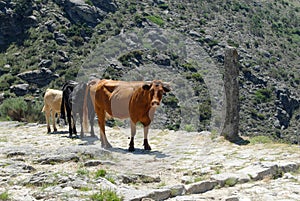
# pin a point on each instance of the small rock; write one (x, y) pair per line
(201, 187)
(176, 190)
(20, 89)
(91, 163)
(58, 159)
(45, 63)
(233, 198)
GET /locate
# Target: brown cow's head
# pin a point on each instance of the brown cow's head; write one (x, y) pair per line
(156, 90)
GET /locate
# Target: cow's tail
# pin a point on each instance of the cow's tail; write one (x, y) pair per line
(62, 108)
(43, 110)
(85, 111)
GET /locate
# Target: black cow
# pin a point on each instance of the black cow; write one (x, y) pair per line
(66, 105)
(73, 100)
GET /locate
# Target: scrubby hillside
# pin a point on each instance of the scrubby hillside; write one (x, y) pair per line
(46, 42)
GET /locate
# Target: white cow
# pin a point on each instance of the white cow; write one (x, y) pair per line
(52, 103)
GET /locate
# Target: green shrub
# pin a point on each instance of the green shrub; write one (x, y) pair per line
(100, 173)
(34, 112)
(260, 140)
(106, 195)
(4, 196)
(189, 128)
(17, 109)
(156, 19)
(13, 109)
(82, 172)
(263, 95)
(163, 6)
(7, 80)
(89, 2)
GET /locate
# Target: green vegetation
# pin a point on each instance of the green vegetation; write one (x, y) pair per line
(106, 195)
(4, 196)
(189, 128)
(100, 173)
(17, 109)
(263, 95)
(83, 172)
(260, 140)
(156, 20)
(230, 182)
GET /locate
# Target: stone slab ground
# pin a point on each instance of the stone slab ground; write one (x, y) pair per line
(182, 165)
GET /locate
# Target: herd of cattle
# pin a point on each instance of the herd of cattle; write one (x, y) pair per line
(136, 100)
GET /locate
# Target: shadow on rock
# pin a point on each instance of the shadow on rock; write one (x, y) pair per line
(138, 151)
(58, 133)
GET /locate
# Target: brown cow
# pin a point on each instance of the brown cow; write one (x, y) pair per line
(52, 102)
(134, 100)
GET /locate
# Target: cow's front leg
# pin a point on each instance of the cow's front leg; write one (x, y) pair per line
(101, 122)
(146, 144)
(133, 132)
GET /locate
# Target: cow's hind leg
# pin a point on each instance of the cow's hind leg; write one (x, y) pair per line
(53, 120)
(47, 115)
(133, 132)
(81, 125)
(91, 118)
(74, 125)
(70, 122)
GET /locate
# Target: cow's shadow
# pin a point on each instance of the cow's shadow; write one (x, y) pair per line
(139, 151)
(58, 133)
(89, 140)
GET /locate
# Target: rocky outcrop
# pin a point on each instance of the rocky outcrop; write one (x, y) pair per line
(80, 12)
(20, 89)
(41, 77)
(286, 103)
(15, 18)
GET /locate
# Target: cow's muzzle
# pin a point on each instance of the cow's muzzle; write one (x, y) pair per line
(155, 103)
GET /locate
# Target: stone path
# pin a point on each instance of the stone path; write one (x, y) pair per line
(181, 166)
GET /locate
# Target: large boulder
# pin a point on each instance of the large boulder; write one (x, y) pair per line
(41, 77)
(20, 89)
(81, 12)
(287, 104)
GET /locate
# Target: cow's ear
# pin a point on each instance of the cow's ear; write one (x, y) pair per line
(166, 87)
(146, 86)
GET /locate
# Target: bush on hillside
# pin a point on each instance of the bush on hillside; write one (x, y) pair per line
(17, 109)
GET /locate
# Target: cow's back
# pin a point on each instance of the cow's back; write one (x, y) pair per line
(114, 96)
(53, 99)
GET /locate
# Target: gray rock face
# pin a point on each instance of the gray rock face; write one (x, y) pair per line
(20, 89)
(41, 77)
(201, 187)
(286, 105)
(14, 21)
(79, 11)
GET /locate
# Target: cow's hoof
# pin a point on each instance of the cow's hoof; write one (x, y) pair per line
(106, 146)
(131, 149)
(49, 130)
(147, 147)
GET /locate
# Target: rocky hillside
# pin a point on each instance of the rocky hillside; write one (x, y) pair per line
(43, 43)
(181, 166)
